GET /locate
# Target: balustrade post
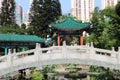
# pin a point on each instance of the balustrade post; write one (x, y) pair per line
(64, 51)
(9, 61)
(53, 44)
(119, 55)
(88, 48)
(87, 44)
(14, 50)
(9, 58)
(37, 46)
(64, 43)
(113, 54)
(37, 52)
(92, 44)
(92, 51)
(14, 56)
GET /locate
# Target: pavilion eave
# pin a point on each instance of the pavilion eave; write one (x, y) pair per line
(70, 24)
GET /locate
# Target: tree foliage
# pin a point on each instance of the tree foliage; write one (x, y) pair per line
(7, 13)
(104, 34)
(105, 29)
(7, 19)
(118, 8)
(42, 13)
(12, 30)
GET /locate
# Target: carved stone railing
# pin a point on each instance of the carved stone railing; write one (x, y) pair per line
(59, 55)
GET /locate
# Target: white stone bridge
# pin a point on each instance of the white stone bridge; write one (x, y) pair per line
(59, 55)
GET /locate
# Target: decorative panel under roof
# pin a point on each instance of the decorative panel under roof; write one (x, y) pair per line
(20, 38)
(70, 24)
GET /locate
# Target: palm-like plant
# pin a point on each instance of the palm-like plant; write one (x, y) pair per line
(49, 71)
(37, 76)
(71, 68)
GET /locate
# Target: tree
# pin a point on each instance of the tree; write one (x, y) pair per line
(42, 13)
(12, 29)
(105, 34)
(97, 28)
(105, 28)
(23, 26)
(8, 13)
(118, 8)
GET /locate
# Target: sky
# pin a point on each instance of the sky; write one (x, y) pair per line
(65, 5)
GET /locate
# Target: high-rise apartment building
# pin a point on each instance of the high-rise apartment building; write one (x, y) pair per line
(30, 3)
(82, 9)
(106, 3)
(0, 4)
(18, 14)
(26, 18)
(26, 14)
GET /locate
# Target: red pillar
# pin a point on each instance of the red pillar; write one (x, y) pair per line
(81, 39)
(58, 39)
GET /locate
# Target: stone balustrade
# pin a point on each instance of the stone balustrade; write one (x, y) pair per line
(85, 54)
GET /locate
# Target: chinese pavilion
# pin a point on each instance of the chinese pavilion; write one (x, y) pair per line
(70, 26)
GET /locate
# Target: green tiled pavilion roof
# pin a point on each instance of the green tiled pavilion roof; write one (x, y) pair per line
(20, 38)
(70, 24)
